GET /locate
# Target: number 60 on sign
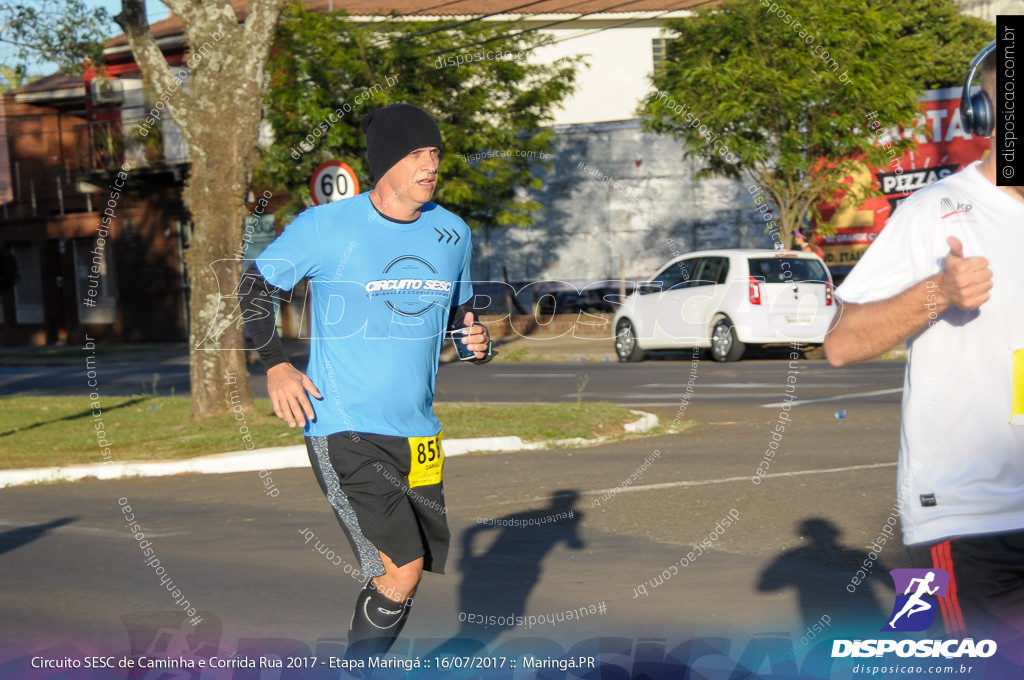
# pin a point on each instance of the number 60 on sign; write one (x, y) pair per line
(333, 181)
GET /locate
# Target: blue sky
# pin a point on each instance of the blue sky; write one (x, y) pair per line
(155, 11)
(154, 8)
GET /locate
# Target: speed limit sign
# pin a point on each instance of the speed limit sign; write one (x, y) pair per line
(332, 182)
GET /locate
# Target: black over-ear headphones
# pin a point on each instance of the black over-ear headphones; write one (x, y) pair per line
(976, 111)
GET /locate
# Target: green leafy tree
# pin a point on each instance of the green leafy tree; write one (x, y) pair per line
(795, 120)
(13, 77)
(945, 38)
(65, 32)
(325, 65)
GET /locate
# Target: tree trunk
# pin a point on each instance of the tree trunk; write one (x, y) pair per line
(214, 192)
(218, 111)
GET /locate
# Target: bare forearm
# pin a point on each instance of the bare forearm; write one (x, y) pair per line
(863, 331)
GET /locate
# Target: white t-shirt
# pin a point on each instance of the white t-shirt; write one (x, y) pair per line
(961, 459)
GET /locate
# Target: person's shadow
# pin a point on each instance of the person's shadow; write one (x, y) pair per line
(833, 582)
(497, 580)
(15, 538)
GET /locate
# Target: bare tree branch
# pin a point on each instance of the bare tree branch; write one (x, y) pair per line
(149, 56)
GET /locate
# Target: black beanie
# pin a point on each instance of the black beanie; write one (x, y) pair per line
(393, 132)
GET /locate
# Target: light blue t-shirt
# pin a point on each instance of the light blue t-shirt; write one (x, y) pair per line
(381, 296)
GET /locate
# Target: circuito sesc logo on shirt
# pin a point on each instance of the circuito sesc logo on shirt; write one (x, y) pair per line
(410, 286)
(917, 593)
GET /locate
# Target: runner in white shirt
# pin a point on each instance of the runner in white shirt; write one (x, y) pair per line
(945, 275)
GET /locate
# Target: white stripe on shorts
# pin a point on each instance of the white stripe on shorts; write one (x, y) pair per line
(366, 552)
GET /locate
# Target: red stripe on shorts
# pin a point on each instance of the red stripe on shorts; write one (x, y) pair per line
(952, 614)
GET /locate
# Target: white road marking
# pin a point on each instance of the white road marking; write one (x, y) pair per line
(699, 482)
(534, 375)
(838, 397)
(695, 395)
(723, 385)
(739, 386)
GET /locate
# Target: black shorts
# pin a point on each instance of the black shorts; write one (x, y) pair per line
(986, 582)
(387, 494)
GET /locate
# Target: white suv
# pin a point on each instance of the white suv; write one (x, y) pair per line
(725, 300)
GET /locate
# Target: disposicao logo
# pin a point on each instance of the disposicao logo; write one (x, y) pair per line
(949, 649)
(914, 610)
(917, 591)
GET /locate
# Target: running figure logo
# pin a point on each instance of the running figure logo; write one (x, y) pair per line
(914, 610)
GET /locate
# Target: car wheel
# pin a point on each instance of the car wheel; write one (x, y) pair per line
(725, 346)
(626, 345)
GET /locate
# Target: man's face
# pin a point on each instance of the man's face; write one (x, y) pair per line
(415, 176)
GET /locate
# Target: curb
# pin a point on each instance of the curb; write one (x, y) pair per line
(279, 458)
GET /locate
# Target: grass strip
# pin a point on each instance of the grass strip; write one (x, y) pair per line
(51, 431)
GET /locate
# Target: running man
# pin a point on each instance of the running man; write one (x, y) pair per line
(385, 287)
(915, 604)
(945, 276)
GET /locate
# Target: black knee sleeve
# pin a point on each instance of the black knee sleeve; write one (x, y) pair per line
(376, 623)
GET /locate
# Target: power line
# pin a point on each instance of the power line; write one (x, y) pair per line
(514, 22)
(632, 21)
(541, 28)
(447, 27)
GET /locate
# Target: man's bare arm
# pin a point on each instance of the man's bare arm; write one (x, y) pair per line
(863, 331)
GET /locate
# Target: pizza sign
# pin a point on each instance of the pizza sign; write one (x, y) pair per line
(943, 148)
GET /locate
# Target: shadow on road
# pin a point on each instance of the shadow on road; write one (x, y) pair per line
(823, 574)
(497, 580)
(15, 538)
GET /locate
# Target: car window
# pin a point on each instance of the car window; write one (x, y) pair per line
(676, 275)
(668, 278)
(787, 269)
(712, 270)
(687, 269)
(723, 273)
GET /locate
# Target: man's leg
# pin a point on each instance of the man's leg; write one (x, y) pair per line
(358, 475)
(382, 608)
(399, 583)
(986, 583)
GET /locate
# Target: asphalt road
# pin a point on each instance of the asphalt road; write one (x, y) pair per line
(651, 382)
(651, 564)
(73, 575)
(147, 374)
(665, 382)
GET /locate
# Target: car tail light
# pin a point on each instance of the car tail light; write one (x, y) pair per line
(755, 291)
(828, 294)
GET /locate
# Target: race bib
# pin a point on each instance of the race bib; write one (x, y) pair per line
(1017, 401)
(427, 460)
